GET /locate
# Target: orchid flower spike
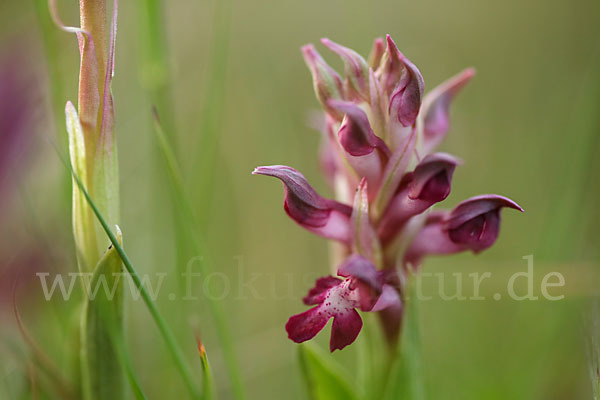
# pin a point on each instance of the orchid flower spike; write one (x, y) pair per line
(379, 132)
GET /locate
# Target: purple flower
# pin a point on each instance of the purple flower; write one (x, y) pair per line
(473, 225)
(302, 203)
(378, 137)
(428, 184)
(363, 288)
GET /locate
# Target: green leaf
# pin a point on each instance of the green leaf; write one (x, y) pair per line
(406, 376)
(102, 321)
(106, 184)
(325, 379)
(83, 219)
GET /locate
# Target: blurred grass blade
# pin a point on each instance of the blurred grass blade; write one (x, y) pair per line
(48, 36)
(213, 103)
(199, 248)
(154, 65)
(43, 362)
(158, 319)
(593, 327)
(406, 376)
(103, 314)
(156, 79)
(325, 380)
(207, 390)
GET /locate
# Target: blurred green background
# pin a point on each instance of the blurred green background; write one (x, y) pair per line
(235, 94)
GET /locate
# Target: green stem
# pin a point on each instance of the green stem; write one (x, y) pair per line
(405, 376)
(158, 319)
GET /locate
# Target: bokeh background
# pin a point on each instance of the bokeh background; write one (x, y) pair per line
(234, 93)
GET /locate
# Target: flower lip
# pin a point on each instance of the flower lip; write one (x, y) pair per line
(364, 288)
(317, 294)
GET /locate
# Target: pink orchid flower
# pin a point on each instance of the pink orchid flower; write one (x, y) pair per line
(380, 131)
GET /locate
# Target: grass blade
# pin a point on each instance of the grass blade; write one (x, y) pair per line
(199, 248)
(166, 333)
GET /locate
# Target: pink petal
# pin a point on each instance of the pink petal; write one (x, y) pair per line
(379, 105)
(324, 217)
(405, 101)
(306, 325)
(431, 239)
(358, 267)
(428, 184)
(317, 294)
(432, 177)
(327, 83)
(436, 107)
(355, 134)
(475, 223)
(478, 205)
(364, 151)
(355, 66)
(345, 329)
(389, 297)
(376, 53)
(391, 67)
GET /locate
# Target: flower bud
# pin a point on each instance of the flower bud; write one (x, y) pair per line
(327, 83)
(365, 152)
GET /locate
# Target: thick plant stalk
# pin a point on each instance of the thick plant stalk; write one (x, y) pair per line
(93, 152)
